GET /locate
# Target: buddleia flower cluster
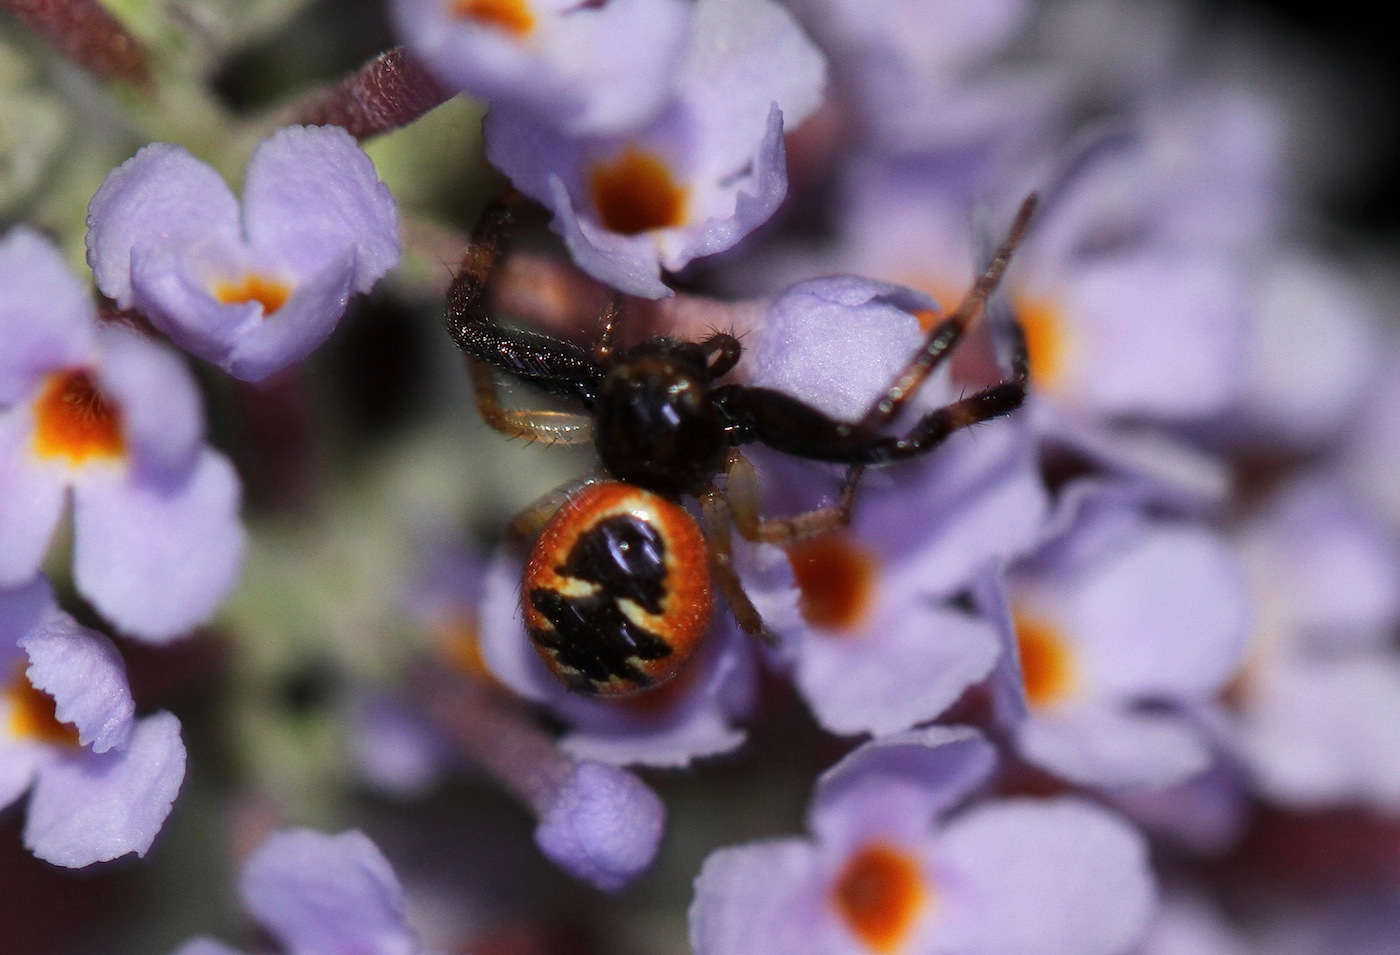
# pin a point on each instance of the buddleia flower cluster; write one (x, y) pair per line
(1114, 674)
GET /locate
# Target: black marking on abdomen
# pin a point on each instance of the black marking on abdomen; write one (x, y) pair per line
(622, 557)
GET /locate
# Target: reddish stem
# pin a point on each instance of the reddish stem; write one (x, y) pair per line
(87, 34)
(389, 91)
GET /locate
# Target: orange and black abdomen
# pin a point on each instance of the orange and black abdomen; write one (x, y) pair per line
(617, 593)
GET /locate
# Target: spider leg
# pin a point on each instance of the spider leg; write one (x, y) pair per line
(745, 503)
(944, 337)
(718, 520)
(934, 428)
(531, 519)
(553, 366)
(552, 427)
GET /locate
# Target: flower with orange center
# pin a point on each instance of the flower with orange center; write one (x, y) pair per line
(168, 238)
(879, 894)
(109, 423)
(75, 421)
(897, 863)
(635, 192)
(99, 781)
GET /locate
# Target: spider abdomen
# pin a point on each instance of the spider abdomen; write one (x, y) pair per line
(617, 593)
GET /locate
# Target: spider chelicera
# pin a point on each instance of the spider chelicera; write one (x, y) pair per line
(617, 591)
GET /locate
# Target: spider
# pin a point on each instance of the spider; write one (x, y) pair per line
(618, 588)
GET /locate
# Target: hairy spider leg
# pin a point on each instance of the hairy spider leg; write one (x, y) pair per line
(529, 355)
(718, 519)
(990, 402)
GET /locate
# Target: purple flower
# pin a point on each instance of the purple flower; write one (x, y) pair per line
(1315, 704)
(917, 71)
(101, 782)
(1117, 624)
(1313, 353)
(890, 867)
(105, 414)
(252, 289)
(322, 895)
(875, 646)
(698, 177)
(594, 68)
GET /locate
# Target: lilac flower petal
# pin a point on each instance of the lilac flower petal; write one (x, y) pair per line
(157, 561)
(1304, 395)
(320, 893)
(907, 780)
(505, 646)
(171, 286)
(747, 56)
(1049, 877)
(590, 70)
(908, 666)
(603, 826)
(97, 807)
(1206, 814)
(1322, 733)
(83, 672)
(763, 897)
(746, 198)
(162, 412)
(1328, 565)
(22, 609)
(629, 263)
(989, 504)
(1187, 925)
(1184, 476)
(394, 747)
(31, 500)
(1166, 616)
(298, 327)
(810, 332)
(1180, 355)
(312, 191)
(160, 196)
(1105, 745)
(19, 763)
(37, 282)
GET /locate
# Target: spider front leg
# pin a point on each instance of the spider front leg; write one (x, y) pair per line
(554, 427)
(948, 333)
(556, 367)
(935, 427)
